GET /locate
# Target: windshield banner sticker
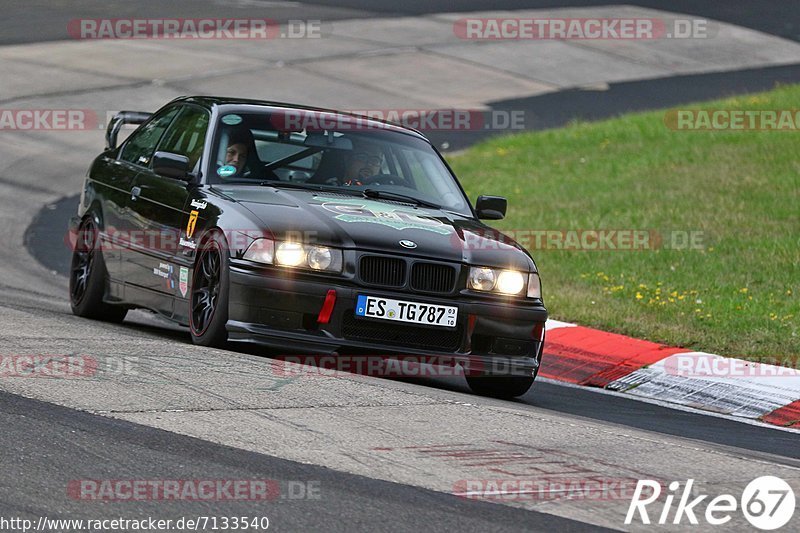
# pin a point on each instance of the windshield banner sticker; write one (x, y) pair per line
(370, 212)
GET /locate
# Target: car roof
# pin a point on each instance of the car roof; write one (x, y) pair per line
(230, 104)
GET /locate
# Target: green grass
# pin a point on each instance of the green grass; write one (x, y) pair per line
(736, 296)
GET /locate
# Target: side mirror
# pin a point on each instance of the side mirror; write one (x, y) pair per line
(171, 165)
(491, 207)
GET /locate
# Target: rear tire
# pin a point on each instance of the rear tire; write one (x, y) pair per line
(504, 387)
(208, 304)
(87, 279)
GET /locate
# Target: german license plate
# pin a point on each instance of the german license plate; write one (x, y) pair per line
(402, 311)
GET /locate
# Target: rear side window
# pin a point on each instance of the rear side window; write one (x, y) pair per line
(187, 134)
(142, 143)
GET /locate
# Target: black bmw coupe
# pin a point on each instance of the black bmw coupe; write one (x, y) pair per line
(305, 230)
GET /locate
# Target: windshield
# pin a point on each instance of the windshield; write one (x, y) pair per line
(307, 149)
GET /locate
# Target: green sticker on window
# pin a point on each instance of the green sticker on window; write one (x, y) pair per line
(226, 170)
(231, 120)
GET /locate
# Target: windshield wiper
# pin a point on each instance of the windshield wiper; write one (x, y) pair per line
(305, 186)
(389, 195)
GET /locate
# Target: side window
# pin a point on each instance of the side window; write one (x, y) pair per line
(187, 134)
(141, 144)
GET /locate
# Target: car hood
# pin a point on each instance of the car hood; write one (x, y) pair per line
(349, 221)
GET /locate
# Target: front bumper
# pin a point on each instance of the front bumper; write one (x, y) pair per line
(499, 337)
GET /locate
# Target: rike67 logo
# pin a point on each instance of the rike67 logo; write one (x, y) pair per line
(767, 502)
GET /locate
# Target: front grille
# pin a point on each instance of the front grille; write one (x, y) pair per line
(401, 335)
(432, 277)
(384, 271)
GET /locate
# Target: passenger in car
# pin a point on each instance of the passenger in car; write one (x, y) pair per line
(236, 153)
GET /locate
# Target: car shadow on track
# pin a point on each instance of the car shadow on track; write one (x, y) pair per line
(152, 324)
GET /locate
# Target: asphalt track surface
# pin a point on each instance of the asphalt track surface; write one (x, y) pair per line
(72, 445)
(51, 445)
(42, 241)
(553, 110)
(54, 255)
(46, 20)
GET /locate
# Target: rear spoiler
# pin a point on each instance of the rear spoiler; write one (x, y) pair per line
(121, 118)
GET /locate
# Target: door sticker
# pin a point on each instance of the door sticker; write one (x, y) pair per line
(184, 281)
(165, 271)
(191, 224)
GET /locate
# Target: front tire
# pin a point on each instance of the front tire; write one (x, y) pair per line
(87, 278)
(208, 305)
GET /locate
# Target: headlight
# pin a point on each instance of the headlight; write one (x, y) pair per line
(508, 282)
(295, 254)
(261, 250)
(481, 279)
(290, 254)
(319, 258)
